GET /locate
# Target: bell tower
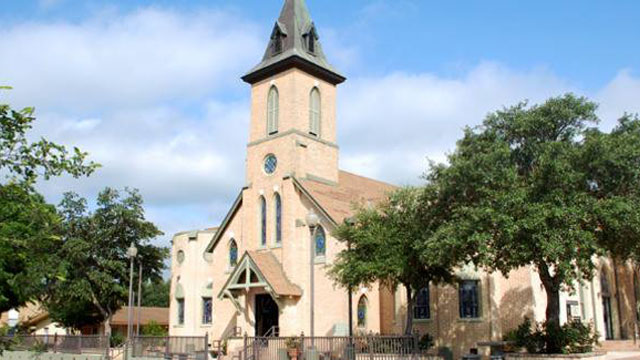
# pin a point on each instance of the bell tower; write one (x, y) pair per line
(293, 103)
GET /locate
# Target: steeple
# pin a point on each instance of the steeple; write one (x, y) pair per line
(295, 43)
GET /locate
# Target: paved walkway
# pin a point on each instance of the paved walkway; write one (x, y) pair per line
(623, 355)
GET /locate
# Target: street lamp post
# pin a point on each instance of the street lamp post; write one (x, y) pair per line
(312, 223)
(139, 297)
(131, 253)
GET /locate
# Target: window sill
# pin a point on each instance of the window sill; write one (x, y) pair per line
(471, 320)
(320, 260)
(206, 325)
(422, 321)
(178, 326)
(277, 246)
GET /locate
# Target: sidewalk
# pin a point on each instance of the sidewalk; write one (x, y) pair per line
(623, 355)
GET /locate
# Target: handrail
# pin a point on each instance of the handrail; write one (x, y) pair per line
(274, 331)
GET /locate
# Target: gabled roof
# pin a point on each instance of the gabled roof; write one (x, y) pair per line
(338, 200)
(269, 273)
(294, 27)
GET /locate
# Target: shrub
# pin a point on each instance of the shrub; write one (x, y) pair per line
(572, 338)
(426, 342)
(154, 329)
(117, 339)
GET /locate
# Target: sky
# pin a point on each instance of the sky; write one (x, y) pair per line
(152, 89)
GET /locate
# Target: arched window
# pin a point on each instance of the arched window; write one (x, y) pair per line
(362, 312)
(604, 282)
(421, 310)
(278, 218)
(314, 112)
(233, 253)
(272, 111)
(321, 242)
(263, 221)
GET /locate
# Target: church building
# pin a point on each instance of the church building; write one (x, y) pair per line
(263, 270)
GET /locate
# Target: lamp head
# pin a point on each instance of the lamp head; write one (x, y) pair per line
(312, 220)
(132, 251)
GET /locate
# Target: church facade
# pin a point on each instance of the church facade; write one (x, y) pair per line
(263, 271)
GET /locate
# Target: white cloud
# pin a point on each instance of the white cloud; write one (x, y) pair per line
(390, 125)
(154, 96)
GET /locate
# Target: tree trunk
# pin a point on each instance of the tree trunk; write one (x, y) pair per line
(552, 288)
(107, 327)
(408, 330)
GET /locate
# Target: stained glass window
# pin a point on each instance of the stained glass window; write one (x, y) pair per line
(272, 111)
(278, 206)
(321, 242)
(421, 309)
(362, 311)
(207, 310)
(180, 311)
(263, 221)
(469, 299)
(314, 112)
(233, 253)
(270, 164)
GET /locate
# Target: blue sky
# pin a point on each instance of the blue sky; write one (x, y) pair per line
(151, 88)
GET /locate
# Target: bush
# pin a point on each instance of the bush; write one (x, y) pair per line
(426, 342)
(154, 329)
(117, 339)
(573, 337)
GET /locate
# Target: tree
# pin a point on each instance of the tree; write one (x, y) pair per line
(27, 236)
(94, 255)
(25, 161)
(529, 188)
(387, 244)
(156, 293)
(27, 223)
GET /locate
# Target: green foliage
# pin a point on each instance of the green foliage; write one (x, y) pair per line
(154, 329)
(426, 342)
(571, 338)
(156, 293)
(536, 186)
(94, 256)
(293, 343)
(25, 161)
(27, 241)
(390, 243)
(28, 236)
(117, 339)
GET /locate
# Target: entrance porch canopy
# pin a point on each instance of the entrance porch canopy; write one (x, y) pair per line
(260, 270)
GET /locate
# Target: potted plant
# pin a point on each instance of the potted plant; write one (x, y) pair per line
(293, 347)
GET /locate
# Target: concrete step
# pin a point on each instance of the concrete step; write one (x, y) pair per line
(620, 345)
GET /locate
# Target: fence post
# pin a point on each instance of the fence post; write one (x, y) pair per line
(55, 343)
(166, 348)
(80, 344)
(416, 344)
(244, 348)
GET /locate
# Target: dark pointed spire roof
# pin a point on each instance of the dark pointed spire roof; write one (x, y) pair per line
(294, 42)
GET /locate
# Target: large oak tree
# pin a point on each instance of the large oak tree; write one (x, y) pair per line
(540, 186)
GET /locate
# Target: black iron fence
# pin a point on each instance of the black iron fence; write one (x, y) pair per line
(334, 348)
(71, 344)
(170, 347)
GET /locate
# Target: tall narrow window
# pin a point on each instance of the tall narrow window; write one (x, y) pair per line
(321, 242)
(263, 221)
(362, 312)
(207, 310)
(314, 112)
(233, 253)
(421, 310)
(180, 311)
(278, 218)
(469, 297)
(272, 111)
